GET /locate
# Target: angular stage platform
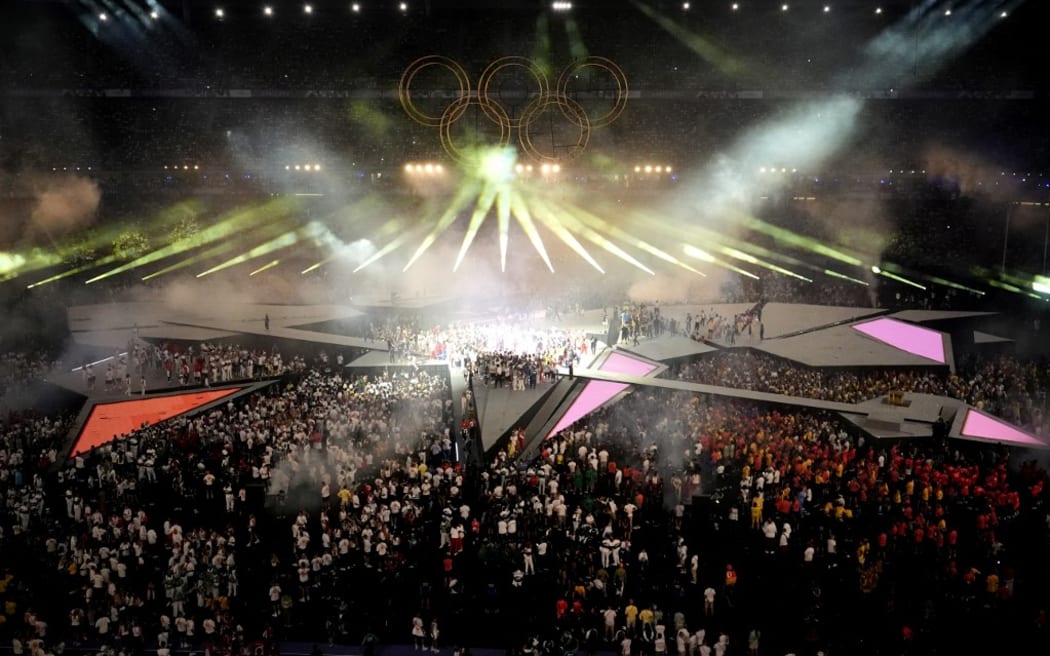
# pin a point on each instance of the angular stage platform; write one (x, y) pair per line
(809, 335)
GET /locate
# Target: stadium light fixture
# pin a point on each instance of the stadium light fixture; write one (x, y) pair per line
(559, 5)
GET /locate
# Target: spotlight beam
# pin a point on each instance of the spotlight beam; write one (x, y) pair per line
(553, 224)
(597, 222)
(232, 223)
(503, 218)
(521, 213)
(700, 254)
(462, 197)
(481, 210)
(312, 229)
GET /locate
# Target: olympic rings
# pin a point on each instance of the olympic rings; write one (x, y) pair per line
(541, 99)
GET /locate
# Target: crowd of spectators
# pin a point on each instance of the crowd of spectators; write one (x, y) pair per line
(1002, 385)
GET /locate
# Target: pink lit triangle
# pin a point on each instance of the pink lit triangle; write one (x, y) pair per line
(980, 425)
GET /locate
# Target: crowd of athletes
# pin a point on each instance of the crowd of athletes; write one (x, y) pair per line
(329, 507)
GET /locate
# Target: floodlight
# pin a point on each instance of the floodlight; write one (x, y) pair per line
(878, 10)
(268, 10)
(356, 8)
(219, 13)
(103, 17)
(735, 6)
(403, 7)
(648, 168)
(308, 9)
(784, 7)
(827, 8)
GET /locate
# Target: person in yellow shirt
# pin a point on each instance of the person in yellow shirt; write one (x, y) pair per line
(631, 615)
(646, 616)
(756, 512)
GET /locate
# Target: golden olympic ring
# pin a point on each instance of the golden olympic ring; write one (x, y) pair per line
(541, 99)
(404, 85)
(456, 109)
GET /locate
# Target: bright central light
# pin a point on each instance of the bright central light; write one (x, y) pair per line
(219, 13)
(268, 10)
(154, 15)
(403, 6)
(497, 164)
(308, 9)
(356, 8)
(783, 7)
(103, 17)
(735, 6)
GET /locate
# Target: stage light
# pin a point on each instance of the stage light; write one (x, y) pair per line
(561, 6)
(308, 9)
(783, 7)
(827, 9)
(685, 6)
(219, 13)
(403, 7)
(878, 10)
(268, 10)
(735, 6)
(356, 8)
(103, 17)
